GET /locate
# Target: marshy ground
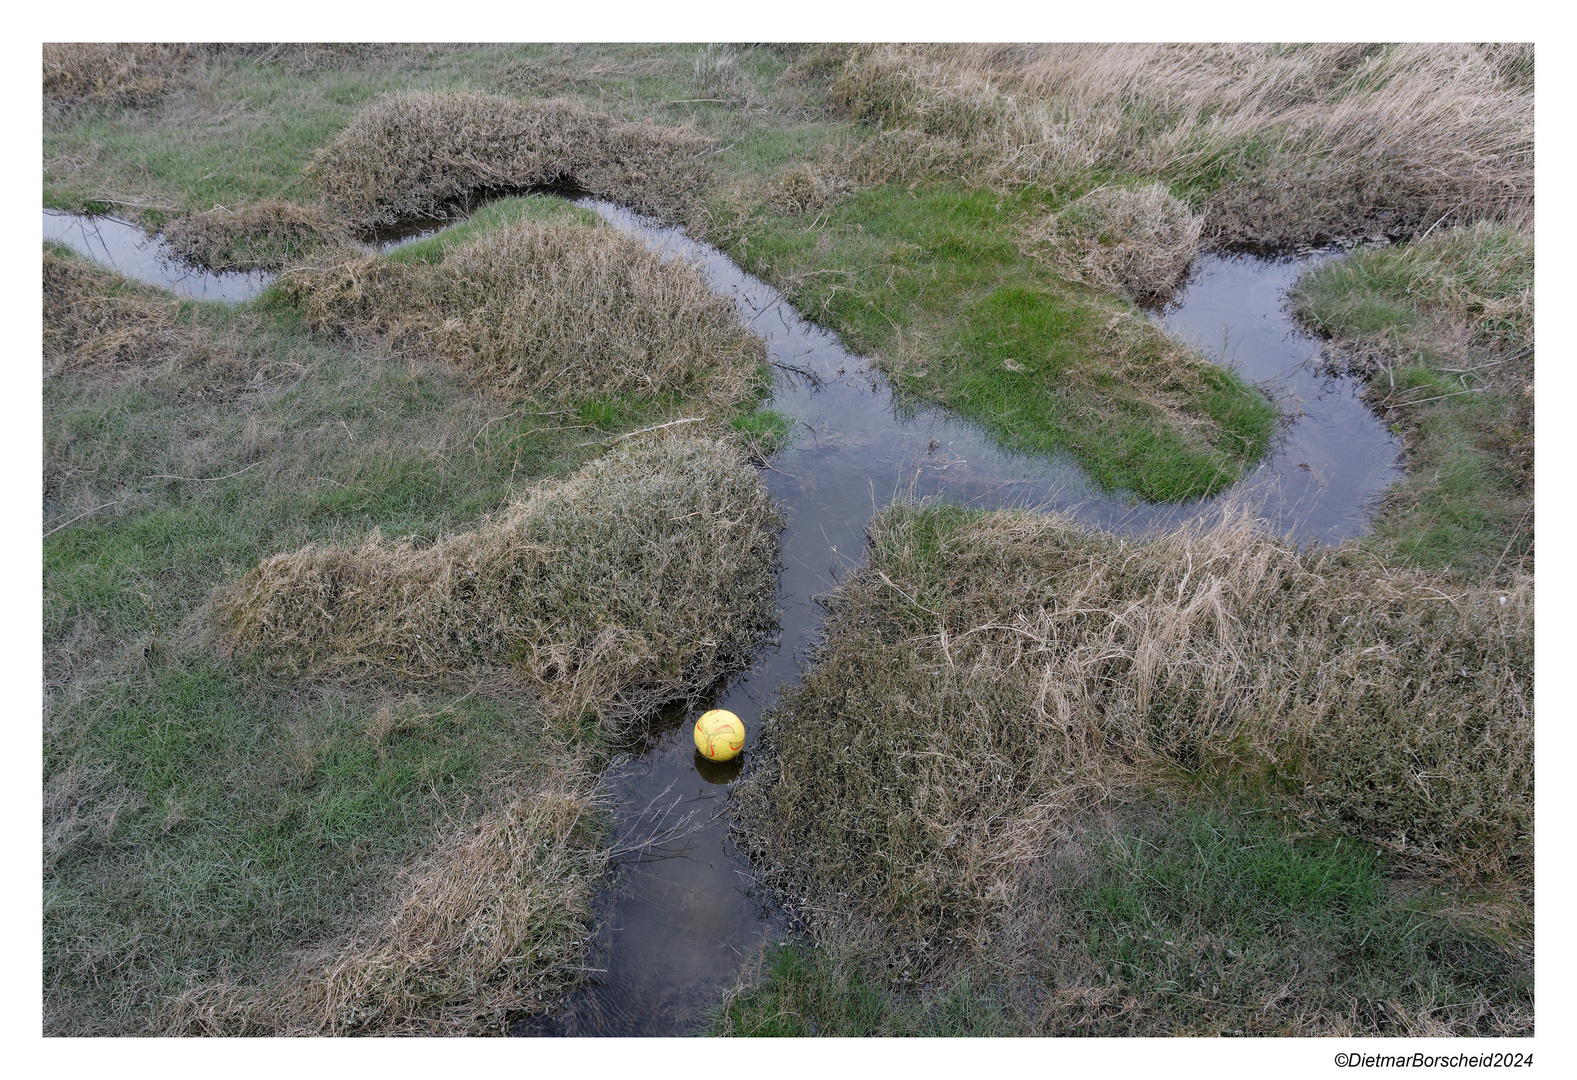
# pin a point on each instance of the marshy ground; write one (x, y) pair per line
(352, 591)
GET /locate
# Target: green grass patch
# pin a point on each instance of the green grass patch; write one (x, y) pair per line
(498, 214)
(931, 282)
(1197, 920)
(1222, 924)
(803, 992)
(1444, 331)
(206, 825)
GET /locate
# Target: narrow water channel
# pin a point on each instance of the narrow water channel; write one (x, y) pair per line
(679, 917)
(679, 921)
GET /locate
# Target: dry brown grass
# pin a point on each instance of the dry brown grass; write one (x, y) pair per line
(554, 312)
(262, 236)
(637, 581)
(94, 319)
(490, 923)
(417, 154)
(118, 73)
(1284, 144)
(984, 677)
(1140, 240)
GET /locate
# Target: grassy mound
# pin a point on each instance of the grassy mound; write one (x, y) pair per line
(987, 676)
(262, 236)
(1139, 240)
(490, 924)
(417, 154)
(1281, 144)
(1443, 330)
(556, 312)
(638, 580)
(93, 318)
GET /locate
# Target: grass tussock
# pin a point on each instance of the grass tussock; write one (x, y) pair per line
(117, 73)
(95, 319)
(419, 154)
(262, 236)
(1137, 240)
(1280, 144)
(987, 677)
(561, 313)
(1443, 331)
(490, 923)
(637, 581)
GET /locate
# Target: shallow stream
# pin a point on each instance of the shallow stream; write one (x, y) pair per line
(679, 918)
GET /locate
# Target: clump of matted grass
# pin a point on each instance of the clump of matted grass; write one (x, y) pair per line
(118, 73)
(1140, 240)
(418, 154)
(261, 236)
(551, 312)
(638, 580)
(95, 318)
(987, 676)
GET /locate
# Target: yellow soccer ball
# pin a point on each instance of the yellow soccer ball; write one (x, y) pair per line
(719, 734)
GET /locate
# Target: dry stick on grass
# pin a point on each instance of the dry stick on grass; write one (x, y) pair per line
(201, 479)
(79, 517)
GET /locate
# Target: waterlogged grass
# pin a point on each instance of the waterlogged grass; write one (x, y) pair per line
(932, 283)
(1444, 330)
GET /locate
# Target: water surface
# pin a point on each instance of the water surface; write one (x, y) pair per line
(122, 246)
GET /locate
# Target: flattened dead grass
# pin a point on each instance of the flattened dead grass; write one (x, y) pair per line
(420, 154)
(986, 676)
(1283, 144)
(118, 73)
(639, 580)
(560, 313)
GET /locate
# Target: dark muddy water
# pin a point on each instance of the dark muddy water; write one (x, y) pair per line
(126, 248)
(679, 917)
